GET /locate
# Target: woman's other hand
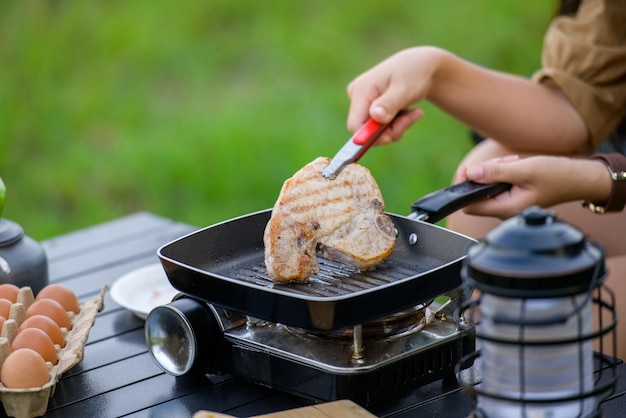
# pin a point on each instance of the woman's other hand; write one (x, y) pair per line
(538, 180)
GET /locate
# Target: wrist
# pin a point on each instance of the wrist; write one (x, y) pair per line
(436, 67)
(609, 195)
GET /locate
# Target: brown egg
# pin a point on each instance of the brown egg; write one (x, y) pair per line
(37, 340)
(61, 294)
(24, 368)
(9, 291)
(52, 309)
(47, 325)
(5, 307)
(2, 319)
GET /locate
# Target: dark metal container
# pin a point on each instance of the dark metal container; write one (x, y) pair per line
(23, 261)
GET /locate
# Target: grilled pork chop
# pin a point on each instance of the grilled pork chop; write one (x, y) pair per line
(342, 218)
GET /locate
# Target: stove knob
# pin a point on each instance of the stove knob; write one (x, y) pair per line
(182, 336)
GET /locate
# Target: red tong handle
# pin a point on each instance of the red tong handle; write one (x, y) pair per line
(367, 135)
(355, 147)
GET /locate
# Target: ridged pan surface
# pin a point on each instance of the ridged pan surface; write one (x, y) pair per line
(223, 264)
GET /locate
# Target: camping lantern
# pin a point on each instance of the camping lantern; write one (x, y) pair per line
(540, 319)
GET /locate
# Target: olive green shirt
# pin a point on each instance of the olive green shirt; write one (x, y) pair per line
(584, 56)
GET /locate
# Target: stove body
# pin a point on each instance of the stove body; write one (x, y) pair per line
(367, 366)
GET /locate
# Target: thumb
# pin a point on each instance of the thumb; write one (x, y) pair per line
(476, 173)
(388, 104)
(491, 171)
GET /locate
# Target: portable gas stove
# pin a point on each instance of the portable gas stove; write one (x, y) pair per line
(360, 335)
(367, 363)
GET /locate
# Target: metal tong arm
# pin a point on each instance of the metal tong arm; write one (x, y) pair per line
(354, 149)
(437, 205)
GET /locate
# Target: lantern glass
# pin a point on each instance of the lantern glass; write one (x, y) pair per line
(558, 366)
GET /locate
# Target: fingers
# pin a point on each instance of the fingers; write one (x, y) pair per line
(360, 102)
(383, 91)
(461, 175)
(505, 204)
(382, 108)
(391, 101)
(491, 171)
(396, 130)
(361, 109)
(491, 207)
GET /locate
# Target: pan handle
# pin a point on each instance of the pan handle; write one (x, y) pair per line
(437, 205)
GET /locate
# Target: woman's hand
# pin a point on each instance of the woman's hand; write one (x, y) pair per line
(392, 86)
(538, 180)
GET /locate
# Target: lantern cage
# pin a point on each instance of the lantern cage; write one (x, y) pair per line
(518, 396)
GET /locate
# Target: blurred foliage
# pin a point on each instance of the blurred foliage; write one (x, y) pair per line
(199, 110)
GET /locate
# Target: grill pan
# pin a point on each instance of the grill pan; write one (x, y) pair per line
(223, 264)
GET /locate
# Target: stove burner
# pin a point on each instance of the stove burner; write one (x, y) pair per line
(395, 325)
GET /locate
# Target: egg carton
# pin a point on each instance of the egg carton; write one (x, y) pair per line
(33, 402)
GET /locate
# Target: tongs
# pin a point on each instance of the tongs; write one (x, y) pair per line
(354, 149)
(432, 207)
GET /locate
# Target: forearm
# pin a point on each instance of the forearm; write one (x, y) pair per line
(519, 113)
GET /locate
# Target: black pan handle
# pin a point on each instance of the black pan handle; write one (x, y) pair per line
(437, 205)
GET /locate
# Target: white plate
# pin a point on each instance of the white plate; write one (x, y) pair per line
(143, 289)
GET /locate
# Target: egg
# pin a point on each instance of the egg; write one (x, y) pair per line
(24, 368)
(5, 307)
(37, 340)
(47, 325)
(9, 291)
(61, 294)
(52, 309)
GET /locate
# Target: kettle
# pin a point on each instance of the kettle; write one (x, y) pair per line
(23, 261)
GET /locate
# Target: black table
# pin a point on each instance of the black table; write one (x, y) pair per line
(117, 376)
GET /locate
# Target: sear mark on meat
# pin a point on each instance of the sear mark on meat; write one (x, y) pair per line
(343, 219)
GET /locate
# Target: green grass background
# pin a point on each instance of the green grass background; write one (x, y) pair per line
(199, 110)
